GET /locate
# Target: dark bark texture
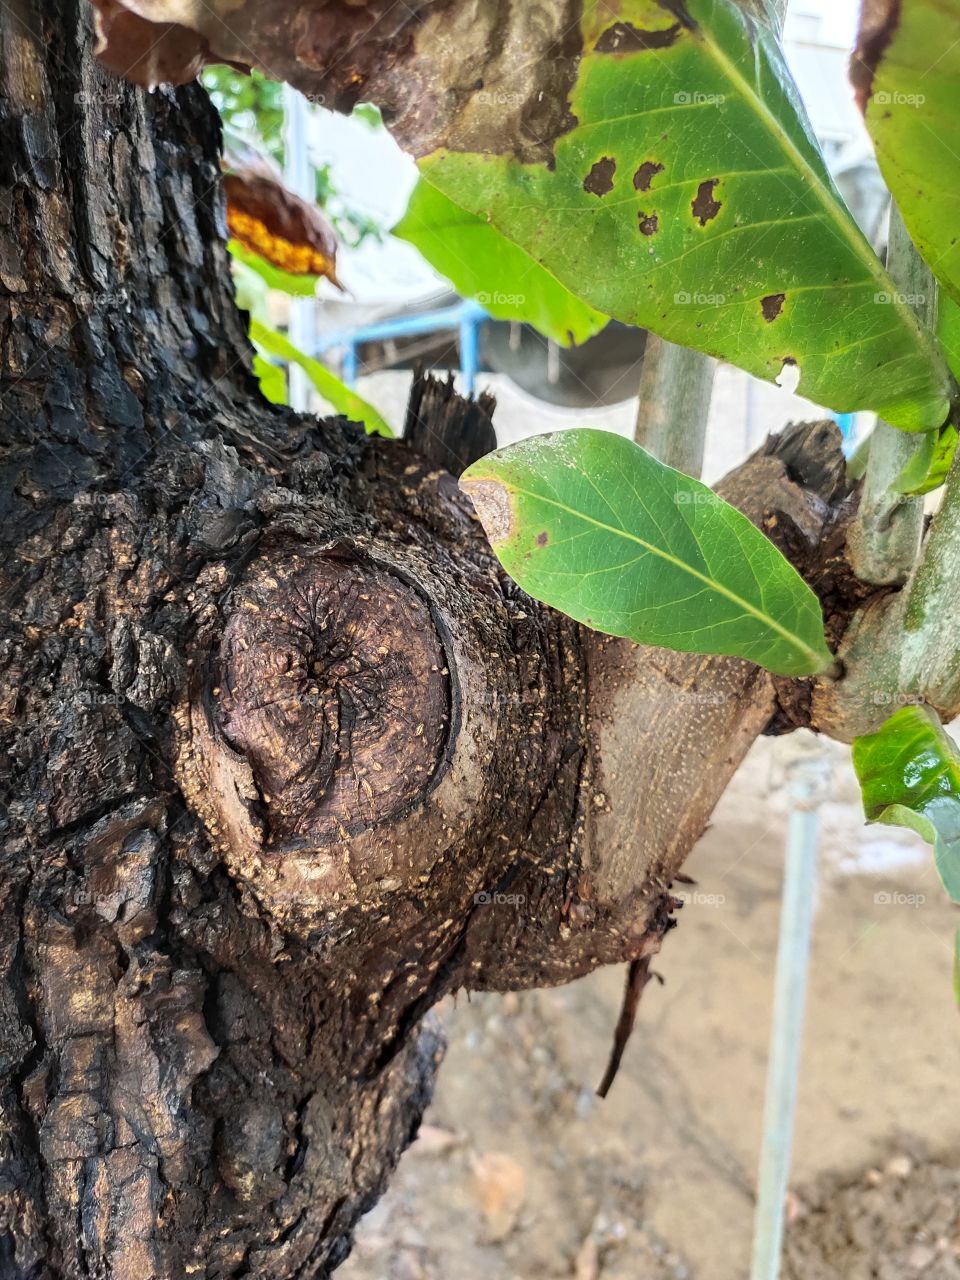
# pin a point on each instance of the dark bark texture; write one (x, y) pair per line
(287, 757)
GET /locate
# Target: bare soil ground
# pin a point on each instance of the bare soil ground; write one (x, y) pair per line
(522, 1173)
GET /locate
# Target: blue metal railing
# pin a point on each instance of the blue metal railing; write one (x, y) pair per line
(465, 317)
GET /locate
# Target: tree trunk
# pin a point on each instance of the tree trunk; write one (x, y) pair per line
(290, 758)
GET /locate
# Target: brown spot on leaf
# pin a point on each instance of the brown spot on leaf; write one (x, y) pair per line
(879, 20)
(646, 174)
(771, 306)
(624, 37)
(703, 204)
(543, 538)
(649, 223)
(600, 178)
(491, 502)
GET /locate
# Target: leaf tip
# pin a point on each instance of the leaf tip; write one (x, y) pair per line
(491, 501)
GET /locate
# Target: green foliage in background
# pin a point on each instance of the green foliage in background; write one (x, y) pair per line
(336, 393)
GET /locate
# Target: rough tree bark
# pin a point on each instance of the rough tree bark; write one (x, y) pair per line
(288, 757)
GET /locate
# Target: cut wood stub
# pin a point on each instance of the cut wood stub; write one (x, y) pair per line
(333, 684)
(335, 740)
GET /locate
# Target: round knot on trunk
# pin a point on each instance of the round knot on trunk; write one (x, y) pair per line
(333, 684)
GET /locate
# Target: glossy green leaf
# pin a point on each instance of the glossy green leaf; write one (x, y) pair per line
(909, 774)
(690, 197)
(335, 392)
(272, 379)
(480, 262)
(273, 277)
(590, 523)
(907, 74)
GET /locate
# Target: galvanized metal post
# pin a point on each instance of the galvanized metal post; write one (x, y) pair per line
(808, 777)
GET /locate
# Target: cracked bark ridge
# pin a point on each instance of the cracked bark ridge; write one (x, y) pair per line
(222, 929)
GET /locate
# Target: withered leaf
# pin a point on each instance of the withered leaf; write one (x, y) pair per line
(271, 221)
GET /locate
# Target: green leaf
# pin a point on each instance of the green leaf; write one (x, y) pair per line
(272, 379)
(368, 113)
(909, 774)
(948, 331)
(590, 523)
(690, 197)
(928, 469)
(335, 392)
(907, 72)
(929, 466)
(480, 262)
(249, 290)
(274, 277)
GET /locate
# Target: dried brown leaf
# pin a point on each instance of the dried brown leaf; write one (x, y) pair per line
(270, 220)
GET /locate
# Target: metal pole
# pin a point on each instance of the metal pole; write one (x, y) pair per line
(298, 174)
(808, 776)
(469, 354)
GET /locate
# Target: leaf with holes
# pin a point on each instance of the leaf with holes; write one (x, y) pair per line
(689, 196)
(590, 523)
(482, 263)
(906, 70)
(909, 772)
(652, 155)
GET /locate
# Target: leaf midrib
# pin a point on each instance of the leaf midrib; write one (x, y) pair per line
(782, 137)
(789, 636)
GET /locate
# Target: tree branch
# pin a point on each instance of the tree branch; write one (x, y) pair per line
(930, 663)
(676, 384)
(885, 537)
